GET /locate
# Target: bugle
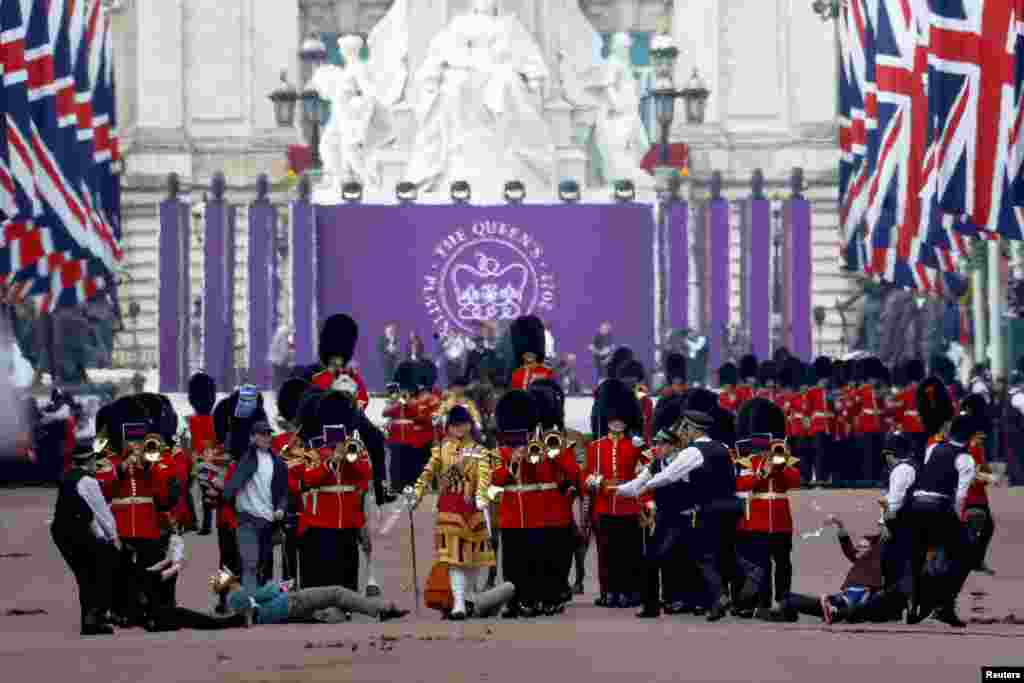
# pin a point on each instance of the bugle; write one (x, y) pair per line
(152, 449)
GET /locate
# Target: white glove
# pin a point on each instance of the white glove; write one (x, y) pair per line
(278, 515)
(638, 442)
(481, 503)
(409, 494)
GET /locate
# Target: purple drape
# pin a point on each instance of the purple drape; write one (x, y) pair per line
(303, 249)
(679, 266)
(715, 299)
(796, 264)
(756, 277)
(219, 299)
(263, 315)
(174, 295)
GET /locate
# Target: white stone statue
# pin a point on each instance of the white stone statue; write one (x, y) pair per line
(360, 124)
(612, 90)
(479, 100)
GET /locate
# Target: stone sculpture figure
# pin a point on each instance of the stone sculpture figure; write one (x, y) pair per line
(478, 106)
(612, 91)
(360, 124)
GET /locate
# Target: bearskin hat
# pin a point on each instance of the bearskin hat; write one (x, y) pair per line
(728, 375)
(458, 415)
(943, 368)
(786, 376)
(407, 376)
(335, 408)
(338, 338)
(125, 410)
(840, 373)
(162, 415)
(781, 356)
(426, 374)
(632, 371)
(550, 400)
(725, 426)
(288, 397)
(701, 400)
(616, 401)
(914, 370)
(899, 375)
(308, 413)
(222, 419)
(810, 378)
(517, 412)
(963, 428)
(668, 412)
(822, 368)
(306, 372)
(202, 393)
(976, 407)
(675, 368)
(527, 335)
(934, 404)
(748, 367)
(760, 416)
(768, 371)
(899, 445)
(620, 356)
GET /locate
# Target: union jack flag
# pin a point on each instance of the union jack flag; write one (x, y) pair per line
(59, 247)
(950, 146)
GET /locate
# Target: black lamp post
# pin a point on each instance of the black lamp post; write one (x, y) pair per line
(284, 98)
(827, 9)
(664, 55)
(313, 52)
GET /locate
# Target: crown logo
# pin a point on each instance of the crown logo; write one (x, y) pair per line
(488, 291)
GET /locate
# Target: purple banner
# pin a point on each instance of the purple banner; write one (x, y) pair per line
(174, 295)
(263, 315)
(219, 294)
(716, 284)
(796, 273)
(678, 277)
(756, 278)
(302, 249)
(443, 270)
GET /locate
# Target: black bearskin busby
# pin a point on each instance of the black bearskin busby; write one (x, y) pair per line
(728, 375)
(125, 410)
(338, 339)
(962, 429)
(162, 416)
(760, 416)
(407, 376)
(748, 368)
(308, 413)
(840, 373)
(675, 368)
(335, 408)
(767, 372)
(550, 400)
(620, 357)
(914, 370)
(668, 413)
(943, 368)
(632, 372)
(725, 426)
(898, 446)
(781, 356)
(701, 400)
(977, 408)
(202, 393)
(822, 369)
(786, 377)
(426, 374)
(527, 336)
(616, 401)
(934, 404)
(899, 375)
(288, 397)
(516, 415)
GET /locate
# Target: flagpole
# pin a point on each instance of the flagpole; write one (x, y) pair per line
(996, 306)
(978, 310)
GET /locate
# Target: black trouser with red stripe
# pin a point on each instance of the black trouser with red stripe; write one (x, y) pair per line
(330, 557)
(765, 550)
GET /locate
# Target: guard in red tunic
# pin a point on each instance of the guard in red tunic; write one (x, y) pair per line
(527, 333)
(288, 445)
(727, 377)
(220, 471)
(633, 375)
(820, 420)
(337, 345)
(768, 472)
(675, 375)
(560, 452)
(767, 380)
(977, 513)
(410, 426)
(791, 401)
(336, 480)
(748, 377)
(202, 396)
(613, 459)
(869, 403)
(906, 405)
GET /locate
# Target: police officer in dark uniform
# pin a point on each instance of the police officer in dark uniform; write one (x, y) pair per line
(700, 485)
(934, 514)
(85, 534)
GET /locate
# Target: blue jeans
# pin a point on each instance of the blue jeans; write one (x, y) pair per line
(256, 548)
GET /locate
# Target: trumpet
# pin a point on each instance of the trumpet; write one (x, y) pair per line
(152, 449)
(641, 392)
(555, 443)
(353, 448)
(778, 456)
(99, 444)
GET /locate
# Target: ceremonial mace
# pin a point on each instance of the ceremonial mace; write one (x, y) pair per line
(415, 574)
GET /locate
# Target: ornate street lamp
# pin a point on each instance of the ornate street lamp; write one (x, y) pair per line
(284, 98)
(406, 192)
(313, 52)
(625, 191)
(352, 192)
(460, 192)
(664, 54)
(827, 9)
(515, 192)
(695, 94)
(569, 191)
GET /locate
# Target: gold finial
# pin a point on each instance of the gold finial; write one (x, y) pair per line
(664, 24)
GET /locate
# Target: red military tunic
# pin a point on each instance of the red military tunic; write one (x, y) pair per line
(869, 410)
(203, 434)
(727, 400)
(766, 393)
(411, 424)
(526, 374)
(134, 495)
(531, 500)
(296, 472)
(744, 392)
(977, 494)
(909, 417)
(767, 500)
(845, 413)
(568, 475)
(227, 518)
(816, 407)
(615, 459)
(325, 379)
(335, 500)
(181, 461)
(797, 422)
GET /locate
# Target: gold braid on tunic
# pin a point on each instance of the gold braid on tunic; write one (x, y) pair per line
(450, 401)
(463, 469)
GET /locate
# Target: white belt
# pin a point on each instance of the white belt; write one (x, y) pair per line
(343, 488)
(823, 415)
(530, 488)
(402, 422)
(929, 494)
(761, 496)
(912, 412)
(871, 412)
(132, 500)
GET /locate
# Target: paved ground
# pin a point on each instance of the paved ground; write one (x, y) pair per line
(586, 642)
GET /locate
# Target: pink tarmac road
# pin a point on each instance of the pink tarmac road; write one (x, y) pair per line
(586, 643)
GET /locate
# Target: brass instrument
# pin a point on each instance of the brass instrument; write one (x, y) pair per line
(778, 456)
(293, 456)
(641, 392)
(99, 444)
(396, 395)
(353, 448)
(555, 443)
(152, 449)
